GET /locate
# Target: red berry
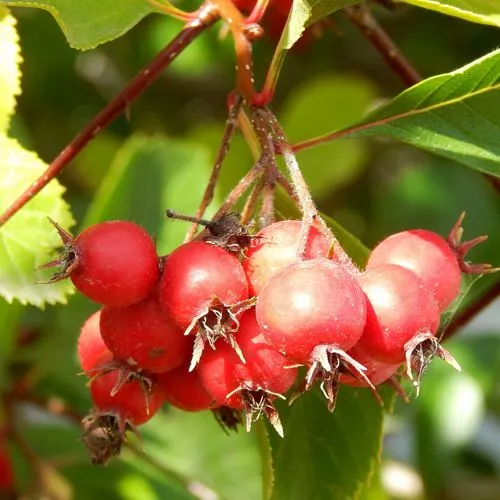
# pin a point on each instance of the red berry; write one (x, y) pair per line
(143, 336)
(90, 344)
(311, 303)
(184, 389)
(252, 385)
(400, 306)
(376, 371)
(134, 402)
(115, 263)
(426, 254)
(275, 247)
(196, 273)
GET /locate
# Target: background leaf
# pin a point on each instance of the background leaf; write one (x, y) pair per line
(9, 62)
(28, 240)
(88, 23)
(477, 11)
(327, 455)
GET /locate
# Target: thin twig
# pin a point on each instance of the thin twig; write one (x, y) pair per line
(221, 155)
(206, 16)
(361, 17)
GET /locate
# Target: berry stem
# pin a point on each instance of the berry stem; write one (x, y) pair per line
(208, 195)
(243, 47)
(248, 209)
(361, 17)
(205, 17)
(258, 11)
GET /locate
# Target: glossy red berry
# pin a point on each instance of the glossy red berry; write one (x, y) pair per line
(183, 389)
(400, 306)
(90, 344)
(275, 247)
(426, 254)
(134, 403)
(143, 336)
(311, 303)
(194, 275)
(117, 263)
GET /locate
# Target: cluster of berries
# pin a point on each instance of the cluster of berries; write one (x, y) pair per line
(223, 322)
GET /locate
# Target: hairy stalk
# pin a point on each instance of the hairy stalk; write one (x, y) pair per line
(250, 204)
(309, 211)
(205, 17)
(361, 17)
(214, 176)
(266, 216)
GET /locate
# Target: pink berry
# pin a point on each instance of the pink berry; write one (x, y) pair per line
(426, 254)
(275, 247)
(308, 304)
(400, 306)
(90, 344)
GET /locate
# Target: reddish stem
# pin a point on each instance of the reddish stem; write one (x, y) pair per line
(205, 17)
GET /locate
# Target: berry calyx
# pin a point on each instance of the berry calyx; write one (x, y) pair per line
(226, 232)
(251, 386)
(204, 289)
(183, 389)
(133, 402)
(144, 337)
(113, 263)
(275, 248)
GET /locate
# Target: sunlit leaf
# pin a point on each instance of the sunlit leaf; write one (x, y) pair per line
(456, 115)
(9, 62)
(27, 240)
(477, 11)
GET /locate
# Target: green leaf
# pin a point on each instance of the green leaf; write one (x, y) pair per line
(304, 13)
(88, 23)
(323, 455)
(455, 115)
(28, 240)
(9, 62)
(194, 446)
(477, 11)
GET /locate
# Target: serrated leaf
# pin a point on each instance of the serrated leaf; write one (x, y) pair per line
(10, 59)
(455, 115)
(323, 455)
(28, 240)
(88, 23)
(477, 11)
